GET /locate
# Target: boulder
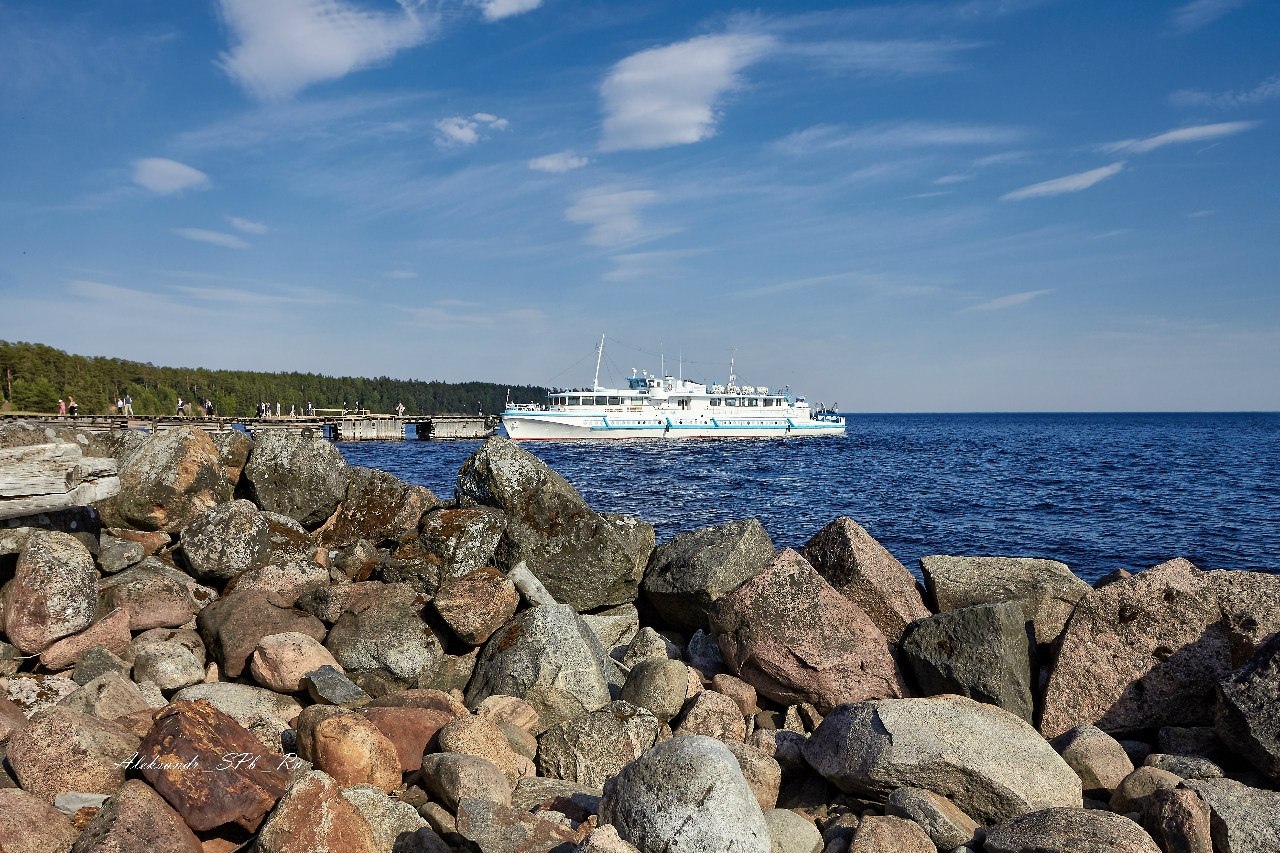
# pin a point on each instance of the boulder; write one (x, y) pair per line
(455, 776)
(889, 834)
(583, 559)
(494, 828)
(137, 820)
(155, 594)
(378, 507)
(688, 575)
(984, 652)
(329, 686)
(476, 604)
(990, 763)
(34, 693)
(1248, 710)
(352, 750)
(61, 750)
(284, 581)
(791, 833)
(590, 748)
(265, 713)
(409, 729)
(314, 817)
(762, 772)
(170, 479)
(300, 475)
(109, 697)
(1149, 650)
(384, 635)
(863, 570)
(789, 634)
(1051, 588)
(169, 659)
(281, 660)
(942, 820)
(111, 632)
(1242, 819)
(53, 592)
(234, 448)
(714, 715)
(116, 554)
(481, 737)
(1069, 830)
(1134, 790)
(210, 768)
(1179, 821)
(659, 685)
(1098, 758)
(547, 656)
(461, 540)
(394, 822)
(11, 718)
(233, 626)
(1184, 766)
(686, 793)
(229, 539)
(29, 824)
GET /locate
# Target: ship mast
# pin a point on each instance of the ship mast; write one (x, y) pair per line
(595, 383)
(733, 379)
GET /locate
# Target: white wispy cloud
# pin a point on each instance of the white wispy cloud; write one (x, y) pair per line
(1199, 13)
(496, 10)
(282, 46)
(446, 315)
(897, 136)
(166, 177)
(248, 226)
(563, 161)
(1267, 90)
(457, 131)
(401, 275)
(214, 238)
(235, 296)
(1068, 184)
(113, 294)
(1009, 301)
(1198, 133)
(668, 95)
(612, 215)
(881, 58)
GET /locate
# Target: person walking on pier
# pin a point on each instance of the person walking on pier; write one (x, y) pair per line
(277, 408)
(62, 408)
(399, 410)
(72, 406)
(311, 410)
(128, 405)
(119, 406)
(208, 408)
(293, 410)
(182, 408)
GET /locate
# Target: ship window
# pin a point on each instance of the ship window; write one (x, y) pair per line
(615, 401)
(715, 401)
(753, 401)
(731, 401)
(586, 401)
(768, 401)
(602, 401)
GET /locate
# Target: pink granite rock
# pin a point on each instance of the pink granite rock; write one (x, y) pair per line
(864, 571)
(52, 594)
(887, 834)
(354, 751)
(61, 750)
(792, 636)
(137, 820)
(314, 817)
(482, 737)
(111, 632)
(409, 729)
(476, 604)
(28, 824)
(280, 660)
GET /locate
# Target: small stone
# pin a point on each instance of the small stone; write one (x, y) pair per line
(95, 662)
(1098, 759)
(943, 821)
(353, 751)
(281, 660)
(453, 777)
(742, 693)
(659, 685)
(887, 834)
(472, 735)
(330, 686)
(714, 715)
(110, 632)
(1186, 766)
(791, 833)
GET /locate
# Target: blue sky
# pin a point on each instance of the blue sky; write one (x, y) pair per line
(944, 206)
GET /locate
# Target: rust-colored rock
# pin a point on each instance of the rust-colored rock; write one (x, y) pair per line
(173, 477)
(30, 825)
(353, 751)
(409, 729)
(137, 820)
(476, 604)
(863, 570)
(793, 637)
(233, 626)
(210, 768)
(61, 750)
(111, 632)
(314, 817)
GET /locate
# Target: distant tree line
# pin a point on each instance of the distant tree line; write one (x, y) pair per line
(34, 377)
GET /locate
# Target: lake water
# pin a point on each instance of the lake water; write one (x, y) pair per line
(1096, 491)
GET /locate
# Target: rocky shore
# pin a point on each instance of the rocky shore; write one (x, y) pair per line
(254, 646)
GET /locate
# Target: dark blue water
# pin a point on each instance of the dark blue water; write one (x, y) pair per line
(1096, 491)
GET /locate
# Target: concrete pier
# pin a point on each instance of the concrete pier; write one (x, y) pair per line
(362, 427)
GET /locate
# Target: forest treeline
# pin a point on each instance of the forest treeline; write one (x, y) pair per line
(36, 376)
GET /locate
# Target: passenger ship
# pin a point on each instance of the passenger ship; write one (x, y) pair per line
(667, 407)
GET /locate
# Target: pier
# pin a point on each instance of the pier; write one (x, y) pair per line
(361, 426)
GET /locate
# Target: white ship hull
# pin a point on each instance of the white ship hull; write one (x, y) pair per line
(550, 426)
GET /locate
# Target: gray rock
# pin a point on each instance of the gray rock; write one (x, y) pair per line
(233, 449)
(1186, 766)
(547, 656)
(300, 475)
(1186, 740)
(115, 554)
(232, 538)
(1248, 710)
(109, 696)
(658, 684)
(496, 828)
(648, 644)
(685, 794)
(378, 507)
(703, 654)
(264, 713)
(461, 540)
(170, 478)
(590, 748)
(582, 558)
(393, 822)
(454, 776)
(984, 652)
(991, 763)
(95, 662)
(687, 575)
(169, 659)
(616, 626)
(943, 821)
(156, 594)
(329, 686)
(53, 592)
(1098, 758)
(1066, 830)
(1051, 587)
(386, 636)
(1242, 819)
(530, 588)
(864, 571)
(791, 833)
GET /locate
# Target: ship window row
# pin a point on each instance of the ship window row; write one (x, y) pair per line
(596, 400)
(748, 402)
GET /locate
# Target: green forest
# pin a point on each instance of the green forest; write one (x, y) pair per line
(36, 376)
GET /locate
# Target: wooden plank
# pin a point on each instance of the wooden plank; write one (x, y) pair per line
(45, 477)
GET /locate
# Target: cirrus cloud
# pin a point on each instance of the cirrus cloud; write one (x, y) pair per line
(563, 161)
(167, 177)
(496, 10)
(1197, 133)
(1068, 184)
(213, 238)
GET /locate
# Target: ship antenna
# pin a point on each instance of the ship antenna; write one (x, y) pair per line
(733, 379)
(595, 383)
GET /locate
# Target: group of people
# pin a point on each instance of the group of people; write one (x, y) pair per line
(68, 406)
(264, 410)
(182, 408)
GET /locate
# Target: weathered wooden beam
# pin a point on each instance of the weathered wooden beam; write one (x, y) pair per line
(45, 477)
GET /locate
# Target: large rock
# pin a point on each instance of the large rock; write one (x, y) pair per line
(686, 794)
(354, 751)
(1248, 712)
(52, 594)
(170, 479)
(137, 820)
(688, 575)
(378, 507)
(788, 633)
(461, 540)
(1179, 821)
(61, 750)
(591, 748)
(983, 652)
(483, 738)
(1098, 758)
(265, 713)
(234, 448)
(232, 538)
(171, 660)
(946, 825)
(1067, 830)
(111, 632)
(456, 776)
(28, 824)
(1242, 819)
(863, 570)
(1148, 650)
(210, 768)
(281, 660)
(314, 817)
(476, 604)
(1051, 588)
(889, 834)
(549, 657)
(384, 635)
(233, 626)
(990, 763)
(409, 729)
(582, 558)
(658, 685)
(155, 594)
(300, 475)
